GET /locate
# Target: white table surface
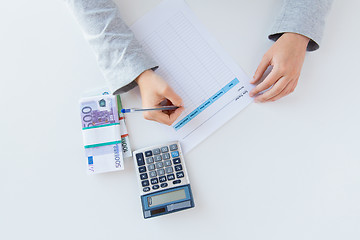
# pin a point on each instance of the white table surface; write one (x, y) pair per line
(283, 170)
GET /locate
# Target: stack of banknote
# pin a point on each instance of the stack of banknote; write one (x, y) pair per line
(105, 137)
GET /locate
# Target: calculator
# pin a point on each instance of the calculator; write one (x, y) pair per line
(163, 180)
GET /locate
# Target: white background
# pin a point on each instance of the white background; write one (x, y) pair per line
(283, 170)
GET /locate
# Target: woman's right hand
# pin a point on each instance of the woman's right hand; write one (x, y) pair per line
(155, 90)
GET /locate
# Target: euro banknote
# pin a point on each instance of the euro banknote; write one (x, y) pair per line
(101, 133)
(125, 141)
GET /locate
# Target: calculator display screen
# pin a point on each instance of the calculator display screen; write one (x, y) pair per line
(166, 197)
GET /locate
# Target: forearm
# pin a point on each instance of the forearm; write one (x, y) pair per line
(305, 17)
(119, 55)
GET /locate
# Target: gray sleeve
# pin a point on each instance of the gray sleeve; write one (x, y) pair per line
(119, 55)
(305, 17)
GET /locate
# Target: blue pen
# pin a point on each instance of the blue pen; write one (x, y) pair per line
(130, 110)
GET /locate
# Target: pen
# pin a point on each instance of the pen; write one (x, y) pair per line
(130, 110)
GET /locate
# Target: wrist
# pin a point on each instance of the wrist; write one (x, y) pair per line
(143, 76)
(297, 38)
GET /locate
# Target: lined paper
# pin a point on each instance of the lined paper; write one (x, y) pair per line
(212, 86)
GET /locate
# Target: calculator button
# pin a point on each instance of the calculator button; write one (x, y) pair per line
(145, 183)
(161, 172)
(143, 176)
(162, 179)
(180, 174)
(151, 167)
(157, 158)
(154, 181)
(156, 151)
(152, 174)
(148, 153)
(167, 163)
(164, 149)
(166, 156)
(146, 189)
(140, 159)
(176, 160)
(149, 160)
(169, 170)
(163, 185)
(178, 167)
(175, 154)
(155, 187)
(159, 165)
(177, 181)
(142, 169)
(173, 147)
(171, 177)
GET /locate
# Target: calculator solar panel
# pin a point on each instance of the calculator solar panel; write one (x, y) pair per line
(163, 180)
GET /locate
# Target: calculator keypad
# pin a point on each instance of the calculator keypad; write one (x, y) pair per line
(160, 167)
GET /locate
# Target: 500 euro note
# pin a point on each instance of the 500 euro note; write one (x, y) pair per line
(101, 133)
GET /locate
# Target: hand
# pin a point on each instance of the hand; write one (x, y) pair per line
(286, 56)
(154, 90)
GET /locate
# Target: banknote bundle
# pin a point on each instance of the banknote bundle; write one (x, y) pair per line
(103, 131)
(125, 141)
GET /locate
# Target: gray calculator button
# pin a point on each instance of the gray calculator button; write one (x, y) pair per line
(156, 151)
(164, 149)
(173, 147)
(166, 156)
(169, 170)
(151, 167)
(146, 189)
(167, 163)
(157, 158)
(149, 160)
(159, 165)
(152, 174)
(161, 172)
(155, 187)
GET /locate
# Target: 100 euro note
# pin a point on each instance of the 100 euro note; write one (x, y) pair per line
(125, 141)
(101, 133)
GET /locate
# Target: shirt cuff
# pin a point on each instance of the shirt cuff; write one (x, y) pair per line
(302, 17)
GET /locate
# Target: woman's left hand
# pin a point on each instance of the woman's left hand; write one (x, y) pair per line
(286, 56)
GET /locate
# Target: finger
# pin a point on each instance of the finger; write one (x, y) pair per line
(268, 82)
(173, 97)
(275, 90)
(265, 62)
(287, 90)
(174, 115)
(162, 117)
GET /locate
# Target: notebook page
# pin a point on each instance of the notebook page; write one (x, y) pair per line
(212, 86)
